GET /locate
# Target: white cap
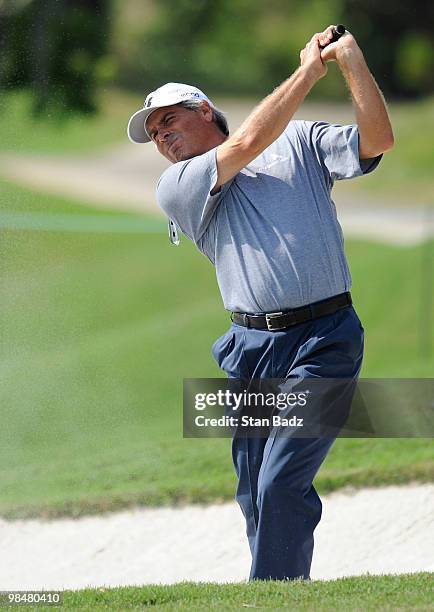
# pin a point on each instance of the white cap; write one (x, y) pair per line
(166, 95)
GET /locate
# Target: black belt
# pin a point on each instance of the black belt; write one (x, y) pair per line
(275, 321)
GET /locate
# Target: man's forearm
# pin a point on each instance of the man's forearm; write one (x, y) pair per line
(375, 130)
(269, 119)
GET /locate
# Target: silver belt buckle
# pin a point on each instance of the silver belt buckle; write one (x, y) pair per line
(269, 320)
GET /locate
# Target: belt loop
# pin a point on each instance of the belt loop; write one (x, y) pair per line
(246, 320)
(232, 317)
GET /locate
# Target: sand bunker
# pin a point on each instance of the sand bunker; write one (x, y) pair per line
(387, 530)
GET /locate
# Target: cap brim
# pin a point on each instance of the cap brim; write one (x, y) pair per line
(136, 125)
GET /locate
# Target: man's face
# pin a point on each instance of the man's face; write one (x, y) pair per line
(180, 133)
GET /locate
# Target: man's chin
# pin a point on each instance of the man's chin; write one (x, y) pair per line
(181, 155)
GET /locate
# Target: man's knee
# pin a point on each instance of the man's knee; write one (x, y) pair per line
(292, 464)
(279, 496)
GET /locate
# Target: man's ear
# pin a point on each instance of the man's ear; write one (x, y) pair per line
(206, 111)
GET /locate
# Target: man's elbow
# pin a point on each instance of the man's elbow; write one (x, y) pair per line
(388, 142)
(379, 146)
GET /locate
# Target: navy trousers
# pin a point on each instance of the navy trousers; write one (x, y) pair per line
(275, 491)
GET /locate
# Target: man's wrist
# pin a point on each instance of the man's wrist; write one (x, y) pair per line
(349, 57)
(310, 74)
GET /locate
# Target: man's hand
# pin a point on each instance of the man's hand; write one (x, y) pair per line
(335, 51)
(320, 49)
(310, 56)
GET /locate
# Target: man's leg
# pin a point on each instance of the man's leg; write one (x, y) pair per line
(288, 505)
(245, 354)
(300, 352)
(289, 508)
(247, 458)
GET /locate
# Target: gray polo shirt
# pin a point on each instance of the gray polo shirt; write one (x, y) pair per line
(272, 231)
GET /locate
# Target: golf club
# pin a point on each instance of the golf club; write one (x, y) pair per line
(338, 31)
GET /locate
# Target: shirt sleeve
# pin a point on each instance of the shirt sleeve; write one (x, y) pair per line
(337, 150)
(183, 193)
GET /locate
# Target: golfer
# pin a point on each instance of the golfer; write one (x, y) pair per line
(258, 205)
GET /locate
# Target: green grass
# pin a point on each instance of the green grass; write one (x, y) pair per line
(367, 593)
(98, 331)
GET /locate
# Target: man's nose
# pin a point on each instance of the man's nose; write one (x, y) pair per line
(163, 135)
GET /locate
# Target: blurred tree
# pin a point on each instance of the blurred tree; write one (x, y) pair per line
(57, 49)
(242, 47)
(397, 42)
(414, 63)
(248, 46)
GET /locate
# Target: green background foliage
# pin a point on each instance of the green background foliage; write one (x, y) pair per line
(58, 49)
(249, 47)
(63, 51)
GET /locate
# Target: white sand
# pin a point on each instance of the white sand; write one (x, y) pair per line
(388, 530)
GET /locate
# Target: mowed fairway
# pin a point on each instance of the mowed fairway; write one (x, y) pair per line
(98, 331)
(405, 592)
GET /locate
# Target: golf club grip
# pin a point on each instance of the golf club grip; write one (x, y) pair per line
(338, 31)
